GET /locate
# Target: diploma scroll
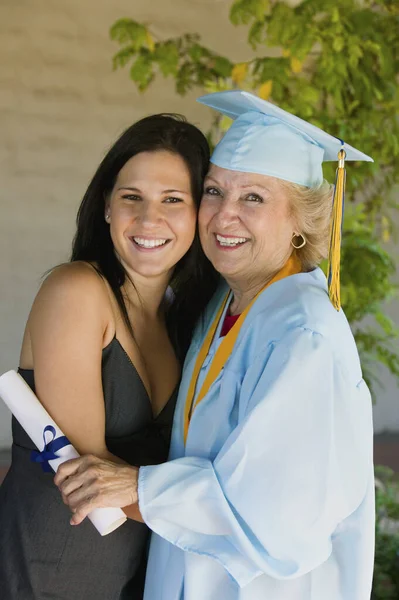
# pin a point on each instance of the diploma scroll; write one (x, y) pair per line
(37, 423)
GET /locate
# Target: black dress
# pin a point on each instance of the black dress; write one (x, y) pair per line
(42, 557)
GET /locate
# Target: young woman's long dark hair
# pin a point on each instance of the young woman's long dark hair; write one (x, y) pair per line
(194, 280)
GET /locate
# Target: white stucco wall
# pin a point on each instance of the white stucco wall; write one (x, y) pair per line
(61, 106)
(386, 410)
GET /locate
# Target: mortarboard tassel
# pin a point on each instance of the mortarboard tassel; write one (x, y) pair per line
(334, 253)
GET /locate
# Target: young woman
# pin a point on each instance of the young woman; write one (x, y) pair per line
(102, 349)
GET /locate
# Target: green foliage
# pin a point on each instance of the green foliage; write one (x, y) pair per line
(336, 65)
(244, 11)
(365, 285)
(386, 568)
(183, 58)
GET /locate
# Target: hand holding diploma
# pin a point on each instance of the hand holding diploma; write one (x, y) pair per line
(89, 483)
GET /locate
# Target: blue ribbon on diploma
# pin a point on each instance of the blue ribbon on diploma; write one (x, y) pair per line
(50, 449)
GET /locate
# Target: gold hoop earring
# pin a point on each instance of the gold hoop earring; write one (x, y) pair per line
(298, 246)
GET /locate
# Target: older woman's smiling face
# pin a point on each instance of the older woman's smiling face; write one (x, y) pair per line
(245, 225)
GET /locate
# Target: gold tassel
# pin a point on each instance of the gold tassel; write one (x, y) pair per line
(334, 254)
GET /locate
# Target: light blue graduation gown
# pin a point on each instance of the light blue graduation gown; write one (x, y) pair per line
(272, 498)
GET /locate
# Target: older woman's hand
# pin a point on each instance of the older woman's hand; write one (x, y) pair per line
(89, 482)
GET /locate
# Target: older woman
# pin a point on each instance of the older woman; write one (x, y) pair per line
(268, 493)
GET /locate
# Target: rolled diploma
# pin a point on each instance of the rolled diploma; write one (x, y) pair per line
(33, 417)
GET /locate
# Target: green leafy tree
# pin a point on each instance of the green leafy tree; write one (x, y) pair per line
(336, 64)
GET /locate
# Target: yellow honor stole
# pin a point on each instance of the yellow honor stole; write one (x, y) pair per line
(223, 352)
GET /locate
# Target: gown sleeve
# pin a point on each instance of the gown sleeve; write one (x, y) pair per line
(297, 464)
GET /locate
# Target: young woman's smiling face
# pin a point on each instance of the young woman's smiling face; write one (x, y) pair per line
(245, 225)
(152, 213)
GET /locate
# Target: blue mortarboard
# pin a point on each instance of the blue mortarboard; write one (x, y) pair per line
(268, 140)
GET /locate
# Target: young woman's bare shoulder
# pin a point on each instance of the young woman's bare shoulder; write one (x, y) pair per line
(73, 288)
(75, 279)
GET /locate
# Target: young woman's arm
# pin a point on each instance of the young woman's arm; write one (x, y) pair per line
(69, 321)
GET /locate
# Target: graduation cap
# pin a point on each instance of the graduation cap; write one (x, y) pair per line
(268, 140)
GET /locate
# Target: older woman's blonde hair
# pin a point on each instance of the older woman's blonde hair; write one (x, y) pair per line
(311, 209)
